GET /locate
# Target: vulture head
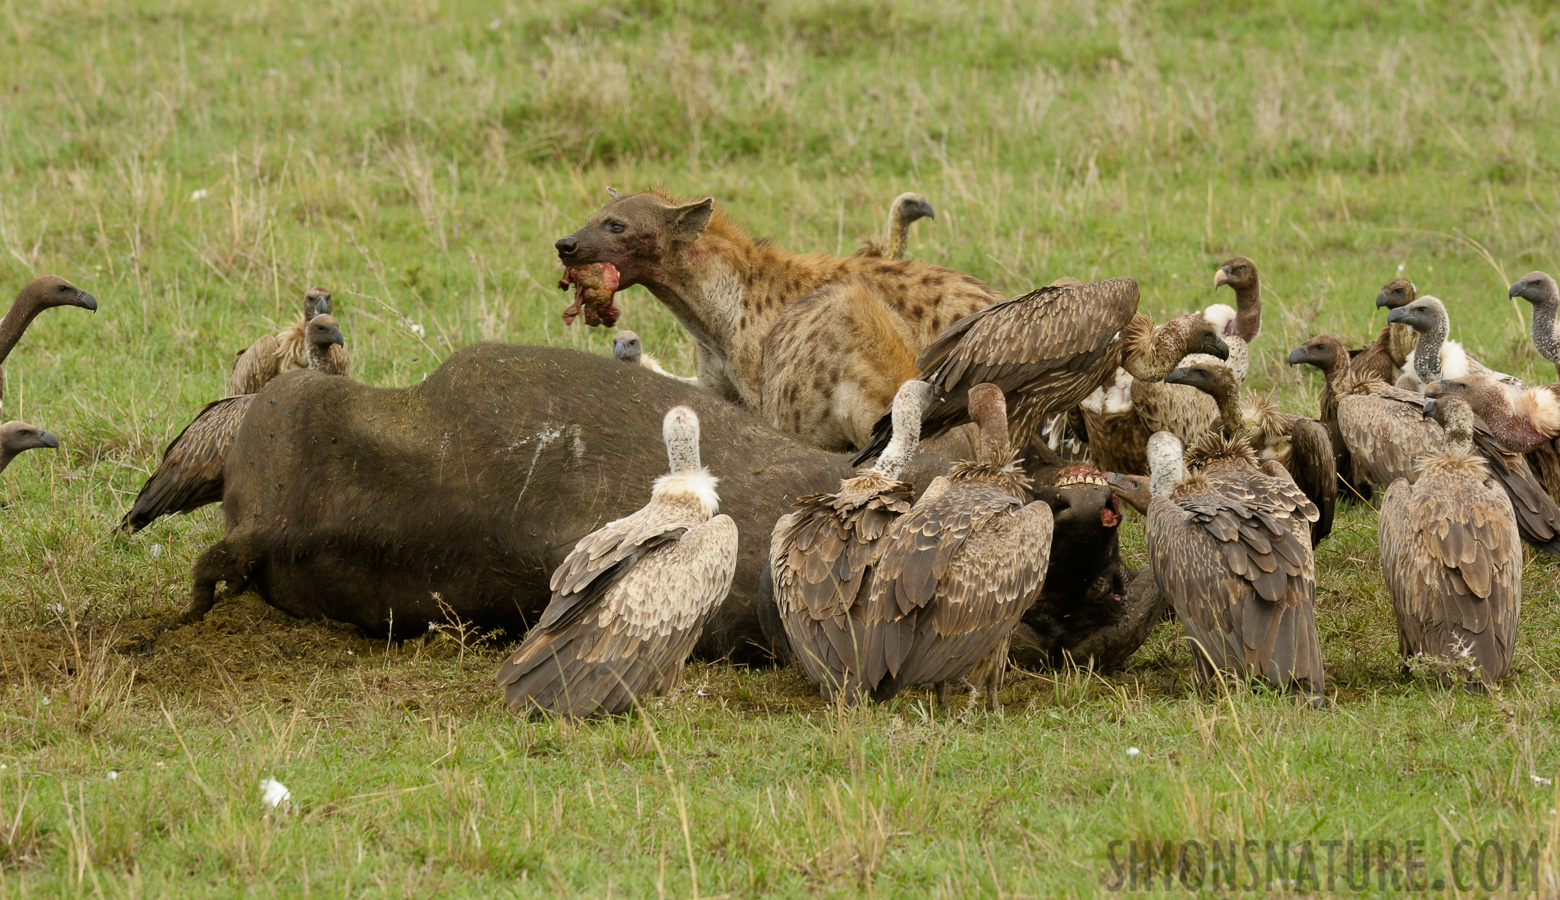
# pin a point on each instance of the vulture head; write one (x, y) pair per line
(323, 331)
(1485, 395)
(51, 291)
(1423, 314)
(1452, 413)
(316, 303)
(1216, 381)
(1324, 351)
(909, 207)
(1536, 288)
(1240, 273)
(1134, 489)
(1396, 293)
(19, 437)
(1200, 335)
(626, 347)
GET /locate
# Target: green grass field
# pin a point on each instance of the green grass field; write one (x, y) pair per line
(198, 165)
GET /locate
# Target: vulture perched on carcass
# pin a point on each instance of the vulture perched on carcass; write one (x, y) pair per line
(1229, 544)
(191, 472)
(906, 209)
(1384, 358)
(285, 351)
(823, 556)
(1047, 351)
(1540, 290)
(19, 437)
(1300, 445)
(1527, 423)
(632, 597)
(626, 347)
(1435, 357)
(1453, 559)
(40, 294)
(959, 570)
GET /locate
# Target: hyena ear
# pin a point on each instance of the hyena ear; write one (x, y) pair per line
(612, 192)
(689, 221)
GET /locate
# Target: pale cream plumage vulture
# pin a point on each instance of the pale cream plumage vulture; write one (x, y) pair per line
(632, 597)
(627, 347)
(284, 351)
(1434, 357)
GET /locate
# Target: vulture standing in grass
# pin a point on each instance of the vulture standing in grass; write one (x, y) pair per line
(627, 347)
(1384, 429)
(1435, 357)
(1452, 557)
(40, 294)
(1540, 290)
(1527, 422)
(631, 598)
(285, 351)
(1384, 358)
(1229, 545)
(1327, 353)
(906, 209)
(19, 437)
(190, 474)
(958, 571)
(1047, 351)
(823, 554)
(1297, 444)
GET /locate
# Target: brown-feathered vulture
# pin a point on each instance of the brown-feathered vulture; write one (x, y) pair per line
(284, 351)
(1298, 444)
(627, 347)
(906, 209)
(1046, 351)
(959, 571)
(1384, 358)
(823, 554)
(1117, 437)
(631, 598)
(1435, 357)
(1327, 353)
(1453, 559)
(19, 437)
(1229, 544)
(1540, 290)
(190, 474)
(1527, 422)
(40, 294)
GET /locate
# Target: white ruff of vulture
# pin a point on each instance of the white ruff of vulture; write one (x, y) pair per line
(40, 294)
(632, 597)
(1435, 357)
(823, 555)
(19, 437)
(1540, 290)
(1229, 544)
(906, 209)
(1384, 358)
(1299, 445)
(1527, 422)
(190, 474)
(1453, 559)
(959, 571)
(626, 347)
(284, 351)
(1046, 351)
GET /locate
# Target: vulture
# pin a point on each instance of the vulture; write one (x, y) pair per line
(905, 209)
(1046, 351)
(959, 570)
(1299, 445)
(1229, 545)
(40, 294)
(1434, 356)
(1327, 353)
(632, 597)
(190, 474)
(1384, 358)
(1384, 429)
(19, 437)
(627, 347)
(823, 554)
(1540, 290)
(1452, 557)
(1527, 423)
(284, 351)
(1118, 440)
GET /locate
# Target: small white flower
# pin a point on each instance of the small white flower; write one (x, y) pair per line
(200, 194)
(350, 653)
(156, 551)
(1133, 751)
(47, 701)
(1400, 269)
(702, 692)
(415, 328)
(1539, 779)
(273, 793)
(112, 775)
(57, 608)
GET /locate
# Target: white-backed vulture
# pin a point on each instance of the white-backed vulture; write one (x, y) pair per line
(39, 294)
(1453, 559)
(632, 597)
(823, 555)
(627, 347)
(284, 351)
(1384, 429)
(1046, 351)
(1328, 354)
(906, 209)
(1527, 422)
(1540, 290)
(959, 571)
(1118, 440)
(1298, 444)
(1435, 357)
(19, 437)
(190, 474)
(1229, 544)
(1384, 358)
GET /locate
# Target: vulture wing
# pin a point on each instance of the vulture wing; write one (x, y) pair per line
(190, 474)
(1538, 519)
(1315, 471)
(255, 365)
(1386, 433)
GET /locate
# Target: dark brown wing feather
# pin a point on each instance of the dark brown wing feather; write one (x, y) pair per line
(255, 365)
(190, 474)
(1538, 519)
(1315, 471)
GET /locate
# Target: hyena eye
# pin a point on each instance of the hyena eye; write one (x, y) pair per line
(616, 227)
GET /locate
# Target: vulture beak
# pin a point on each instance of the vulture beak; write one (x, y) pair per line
(1222, 276)
(926, 210)
(1297, 356)
(1217, 347)
(1382, 300)
(1516, 289)
(1178, 376)
(1401, 314)
(617, 348)
(1429, 409)
(86, 300)
(48, 440)
(1434, 389)
(336, 338)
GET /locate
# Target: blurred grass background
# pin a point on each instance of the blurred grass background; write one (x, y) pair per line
(198, 165)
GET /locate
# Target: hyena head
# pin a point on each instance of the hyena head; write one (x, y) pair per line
(638, 233)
